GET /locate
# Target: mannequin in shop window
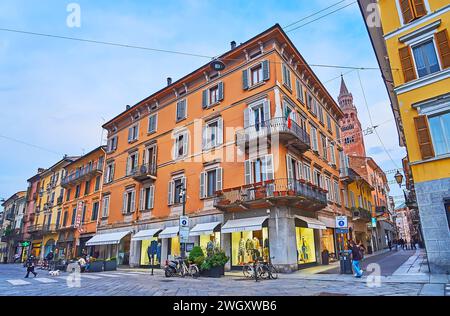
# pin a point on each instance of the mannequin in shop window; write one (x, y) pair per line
(266, 249)
(305, 250)
(249, 247)
(241, 250)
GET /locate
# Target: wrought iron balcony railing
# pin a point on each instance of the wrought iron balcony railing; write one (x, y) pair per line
(144, 172)
(82, 174)
(362, 214)
(348, 175)
(290, 134)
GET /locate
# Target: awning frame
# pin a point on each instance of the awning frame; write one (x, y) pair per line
(107, 239)
(244, 224)
(204, 229)
(313, 223)
(146, 234)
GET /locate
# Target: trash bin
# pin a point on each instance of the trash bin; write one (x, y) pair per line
(345, 262)
(325, 257)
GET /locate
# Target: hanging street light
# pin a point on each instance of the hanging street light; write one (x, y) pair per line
(399, 178)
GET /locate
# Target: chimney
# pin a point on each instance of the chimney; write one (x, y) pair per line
(128, 106)
(169, 81)
(233, 45)
(40, 170)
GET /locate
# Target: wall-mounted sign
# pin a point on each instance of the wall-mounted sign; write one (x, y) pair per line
(341, 222)
(217, 65)
(374, 222)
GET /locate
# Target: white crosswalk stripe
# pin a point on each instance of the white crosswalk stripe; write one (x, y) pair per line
(45, 280)
(93, 277)
(109, 275)
(18, 282)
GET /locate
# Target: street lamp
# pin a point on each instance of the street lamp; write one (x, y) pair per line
(399, 178)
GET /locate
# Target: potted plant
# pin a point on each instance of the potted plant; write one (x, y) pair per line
(111, 264)
(196, 256)
(96, 265)
(213, 265)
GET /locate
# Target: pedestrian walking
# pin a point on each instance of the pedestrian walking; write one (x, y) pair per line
(413, 244)
(356, 258)
(390, 245)
(29, 264)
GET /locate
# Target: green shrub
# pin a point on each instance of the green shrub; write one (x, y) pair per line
(195, 253)
(217, 259)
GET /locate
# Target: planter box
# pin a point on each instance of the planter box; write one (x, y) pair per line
(111, 265)
(96, 266)
(215, 272)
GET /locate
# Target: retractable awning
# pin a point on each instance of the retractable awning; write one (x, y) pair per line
(169, 232)
(311, 222)
(107, 239)
(145, 234)
(204, 229)
(244, 224)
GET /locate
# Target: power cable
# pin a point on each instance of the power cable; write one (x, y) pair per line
(31, 145)
(313, 14)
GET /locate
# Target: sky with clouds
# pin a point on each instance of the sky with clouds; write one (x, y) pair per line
(55, 94)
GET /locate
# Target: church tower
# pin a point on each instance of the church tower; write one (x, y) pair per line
(352, 137)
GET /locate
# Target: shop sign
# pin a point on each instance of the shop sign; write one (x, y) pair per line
(79, 210)
(184, 229)
(341, 230)
(374, 222)
(341, 222)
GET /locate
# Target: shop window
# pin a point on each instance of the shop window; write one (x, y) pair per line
(151, 247)
(306, 248)
(212, 240)
(327, 242)
(248, 245)
(174, 247)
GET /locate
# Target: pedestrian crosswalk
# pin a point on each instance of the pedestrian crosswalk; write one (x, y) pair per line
(66, 277)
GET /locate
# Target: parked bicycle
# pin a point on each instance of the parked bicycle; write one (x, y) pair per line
(268, 271)
(178, 267)
(260, 269)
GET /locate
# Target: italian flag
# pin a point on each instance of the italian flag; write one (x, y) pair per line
(288, 118)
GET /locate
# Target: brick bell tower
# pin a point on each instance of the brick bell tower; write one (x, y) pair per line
(352, 137)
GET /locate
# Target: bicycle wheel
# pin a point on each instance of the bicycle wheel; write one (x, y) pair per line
(273, 272)
(193, 271)
(247, 270)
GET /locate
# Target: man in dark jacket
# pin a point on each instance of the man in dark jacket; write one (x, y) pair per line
(356, 258)
(29, 264)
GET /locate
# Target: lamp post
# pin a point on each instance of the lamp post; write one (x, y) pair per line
(183, 200)
(399, 178)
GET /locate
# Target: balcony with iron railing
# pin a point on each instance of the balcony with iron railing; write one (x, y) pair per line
(361, 214)
(83, 174)
(348, 175)
(294, 193)
(144, 172)
(49, 228)
(289, 134)
(34, 229)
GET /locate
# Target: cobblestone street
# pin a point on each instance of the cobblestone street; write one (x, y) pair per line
(138, 283)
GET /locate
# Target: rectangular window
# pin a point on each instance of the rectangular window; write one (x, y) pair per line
(256, 74)
(214, 95)
(181, 110)
(337, 198)
(97, 183)
(87, 187)
(440, 133)
(332, 152)
(109, 174)
(148, 198)
(105, 206)
(129, 201)
(213, 134)
(309, 100)
(133, 132)
(58, 218)
(323, 141)
(77, 191)
(152, 123)
(321, 119)
(314, 141)
(66, 215)
(112, 144)
(338, 133)
(181, 145)
(83, 214)
(94, 211)
(300, 93)
(352, 199)
(132, 163)
(259, 169)
(425, 58)
(329, 124)
(74, 216)
(68, 194)
(328, 188)
(317, 178)
(177, 189)
(307, 172)
(286, 76)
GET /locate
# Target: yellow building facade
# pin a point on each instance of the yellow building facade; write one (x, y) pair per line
(411, 41)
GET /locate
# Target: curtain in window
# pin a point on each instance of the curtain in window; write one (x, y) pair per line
(426, 60)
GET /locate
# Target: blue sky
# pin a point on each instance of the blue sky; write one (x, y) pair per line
(56, 94)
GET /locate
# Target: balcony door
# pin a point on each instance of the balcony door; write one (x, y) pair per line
(257, 115)
(150, 156)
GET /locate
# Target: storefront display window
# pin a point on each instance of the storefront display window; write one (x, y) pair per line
(174, 249)
(212, 240)
(327, 242)
(306, 248)
(149, 248)
(124, 250)
(249, 244)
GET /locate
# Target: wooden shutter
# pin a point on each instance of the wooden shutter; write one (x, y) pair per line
(409, 72)
(205, 137)
(268, 167)
(419, 8)
(124, 204)
(266, 70)
(128, 165)
(290, 167)
(220, 88)
(219, 179)
(205, 99)
(185, 143)
(424, 136)
(220, 131)
(245, 79)
(133, 201)
(170, 193)
(141, 200)
(202, 185)
(266, 110)
(151, 198)
(443, 48)
(248, 172)
(130, 134)
(407, 11)
(246, 117)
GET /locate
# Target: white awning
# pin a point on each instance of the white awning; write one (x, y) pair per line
(107, 239)
(312, 222)
(244, 224)
(146, 234)
(204, 229)
(169, 232)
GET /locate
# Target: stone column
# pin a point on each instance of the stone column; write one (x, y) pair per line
(135, 247)
(282, 240)
(164, 250)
